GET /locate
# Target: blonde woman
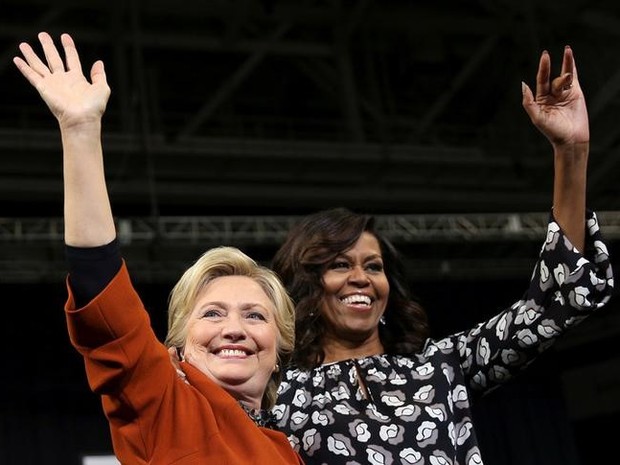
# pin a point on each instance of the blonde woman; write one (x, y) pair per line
(230, 319)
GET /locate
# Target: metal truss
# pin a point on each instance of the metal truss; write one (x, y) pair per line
(257, 230)
(31, 249)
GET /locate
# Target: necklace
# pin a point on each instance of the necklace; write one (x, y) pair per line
(260, 417)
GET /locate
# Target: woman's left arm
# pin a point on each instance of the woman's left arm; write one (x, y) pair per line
(559, 111)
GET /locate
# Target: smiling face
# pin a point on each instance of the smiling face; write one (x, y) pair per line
(356, 292)
(232, 336)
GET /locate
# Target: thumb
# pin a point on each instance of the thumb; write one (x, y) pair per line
(528, 101)
(97, 73)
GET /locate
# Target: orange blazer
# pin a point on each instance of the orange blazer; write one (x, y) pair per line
(155, 417)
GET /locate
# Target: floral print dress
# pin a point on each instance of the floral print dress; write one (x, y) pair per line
(417, 409)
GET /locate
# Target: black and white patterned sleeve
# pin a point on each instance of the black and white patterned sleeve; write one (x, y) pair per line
(566, 287)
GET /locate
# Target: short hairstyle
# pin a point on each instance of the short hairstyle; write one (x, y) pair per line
(230, 261)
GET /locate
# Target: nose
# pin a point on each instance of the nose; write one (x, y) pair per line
(358, 276)
(233, 328)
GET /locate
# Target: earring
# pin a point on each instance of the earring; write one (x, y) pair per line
(382, 320)
(276, 369)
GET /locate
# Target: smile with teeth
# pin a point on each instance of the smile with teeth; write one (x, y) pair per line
(232, 353)
(357, 299)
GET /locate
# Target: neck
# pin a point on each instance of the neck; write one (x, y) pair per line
(249, 405)
(337, 349)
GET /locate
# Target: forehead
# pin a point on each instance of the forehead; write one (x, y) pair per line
(366, 244)
(235, 289)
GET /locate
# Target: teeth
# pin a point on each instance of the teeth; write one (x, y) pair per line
(356, 300)
(232, 353)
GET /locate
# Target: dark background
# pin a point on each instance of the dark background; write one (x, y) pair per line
(229, 119)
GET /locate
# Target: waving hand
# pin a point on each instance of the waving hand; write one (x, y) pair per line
(62, 85)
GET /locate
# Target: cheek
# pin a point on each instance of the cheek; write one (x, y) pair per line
(332, 283)
(266, 336)
(269, 345)
(200, 331)
(385, 287)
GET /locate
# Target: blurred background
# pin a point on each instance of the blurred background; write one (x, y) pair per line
(230, 119)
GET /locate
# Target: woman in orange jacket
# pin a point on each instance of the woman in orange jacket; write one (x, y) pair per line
(230, 318)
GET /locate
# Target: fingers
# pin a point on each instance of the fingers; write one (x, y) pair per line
(71, 54)
(182, 376)
(567, 60)
(31, 66)
(32, 76)
(542, 77)
(53, 58)
(54, 61)
(545, 85)
(30, 60)
(561, 84)
(564, 82)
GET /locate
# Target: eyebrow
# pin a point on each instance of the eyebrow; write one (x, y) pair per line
(244, 306)
(370, 257)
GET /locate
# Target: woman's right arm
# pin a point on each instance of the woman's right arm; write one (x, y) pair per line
(78, 105)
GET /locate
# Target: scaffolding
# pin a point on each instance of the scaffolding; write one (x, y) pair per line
(32, 248)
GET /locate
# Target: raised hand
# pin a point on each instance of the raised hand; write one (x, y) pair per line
(78, 105)
(70, 96)
(559, 109)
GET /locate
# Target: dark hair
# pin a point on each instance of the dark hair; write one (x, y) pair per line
(310, 246)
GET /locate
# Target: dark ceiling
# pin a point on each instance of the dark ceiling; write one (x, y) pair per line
(236, 108)
(278, 107)
(261, 108)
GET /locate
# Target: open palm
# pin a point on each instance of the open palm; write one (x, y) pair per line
(70, 96)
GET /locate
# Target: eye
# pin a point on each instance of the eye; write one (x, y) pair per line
(256, 316)
(375, 267)
(339, 265)
(211, 313)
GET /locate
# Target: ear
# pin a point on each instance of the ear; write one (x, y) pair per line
(176, 356)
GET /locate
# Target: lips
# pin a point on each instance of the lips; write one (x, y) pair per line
(356, 299)
(232, 353)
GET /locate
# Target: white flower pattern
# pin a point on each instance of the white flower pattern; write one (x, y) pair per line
(418, 411)
(339, 445)
(359, 430)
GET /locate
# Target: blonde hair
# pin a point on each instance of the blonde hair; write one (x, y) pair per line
(230, 261)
